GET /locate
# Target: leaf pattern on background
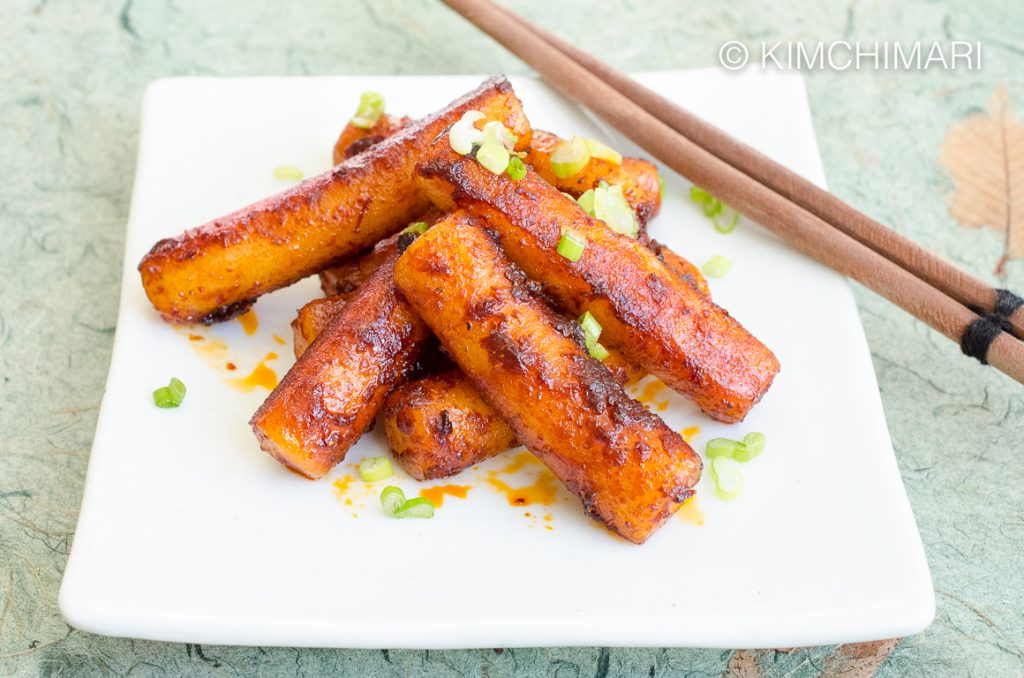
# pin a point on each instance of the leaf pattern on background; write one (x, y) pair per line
(984, 155)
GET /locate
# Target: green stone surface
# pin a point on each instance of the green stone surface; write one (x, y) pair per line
(71, 78)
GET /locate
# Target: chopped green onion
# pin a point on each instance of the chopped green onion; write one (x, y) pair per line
(599, 150)
(464, 135)
(418, 228)
(419, 507)
(371, 107)
(721, 447)
(586, 201)
(752, 446)
(570, 157)
(392, 499)
(728, 478)
(493, 156)
(591, 328)
(395, 505)
(723, 227)
(501, 134)
(717, 266)
(715, 210)
(288, 173)
(598, 352)
(608, 204)
(163, 398)
(171, 395)
(516, 169)
(571, 246)
(611, 207)
(372, 469)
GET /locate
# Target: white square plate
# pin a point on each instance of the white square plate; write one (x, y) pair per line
(188, 532)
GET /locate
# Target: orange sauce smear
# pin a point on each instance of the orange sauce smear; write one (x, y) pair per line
(543, 491)
(196, 337)
(650, 392)
(261, 376)
(249, 322)
(278, 339)
(689, 433)
(689, 513)
(341, 485)
(212, 350)
(436, 494)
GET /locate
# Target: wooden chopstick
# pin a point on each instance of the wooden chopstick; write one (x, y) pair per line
(967, 289)
(804, 230)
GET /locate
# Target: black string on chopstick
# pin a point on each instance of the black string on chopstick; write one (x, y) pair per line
(980, 334)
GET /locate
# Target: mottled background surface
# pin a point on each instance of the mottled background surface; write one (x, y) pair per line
(71, 78)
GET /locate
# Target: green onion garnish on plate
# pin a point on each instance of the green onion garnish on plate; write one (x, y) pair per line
(171, 395)
(418, 507)
(721, 447)
(751, 446)
(288, 173)
(723, 217)
(717, 266)
(728, 478)
(393, 500)
(372, 469)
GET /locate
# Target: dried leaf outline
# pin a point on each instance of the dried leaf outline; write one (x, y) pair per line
(984, 155)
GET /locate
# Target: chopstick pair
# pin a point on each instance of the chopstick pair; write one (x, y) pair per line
(981, 319)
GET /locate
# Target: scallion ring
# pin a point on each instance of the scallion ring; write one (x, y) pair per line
(721, 447)
(419, 507)
(570, 157)
(371, 108)
(463, 135)
(717, 266)
(599, 150)
(752, 446)
(493, 156)
(372, 469)
(171, 395)
(728, 478)
(288, 173)
(516, 169)
(392, 499)
(571, 246)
